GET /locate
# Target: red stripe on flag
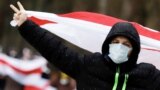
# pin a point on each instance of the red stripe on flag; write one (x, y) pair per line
(151, 49)
(38, 70)
(32, 88)
(101, 19)
(29, 87)
(110, 21)
(40, 21)
(94, 17)
(145, 32)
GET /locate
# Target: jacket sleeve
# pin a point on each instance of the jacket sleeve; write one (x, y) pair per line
(156, 79)
(51, 47)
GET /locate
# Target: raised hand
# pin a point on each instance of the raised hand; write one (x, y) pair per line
(20, 15)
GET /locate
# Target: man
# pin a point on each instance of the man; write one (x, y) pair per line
(114, 69)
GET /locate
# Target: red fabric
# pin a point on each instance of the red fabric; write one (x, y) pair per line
(31, 88)
(38, 70)
(40, 21)
(101, 19)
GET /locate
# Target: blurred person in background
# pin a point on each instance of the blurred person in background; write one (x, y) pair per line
(11, 84)
(66, 82)
(62, 81)
(26, 54)
(12, 52)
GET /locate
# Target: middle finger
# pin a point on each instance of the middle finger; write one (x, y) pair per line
(20, 6)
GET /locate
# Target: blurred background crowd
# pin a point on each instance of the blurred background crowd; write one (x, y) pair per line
(144, 12)
(58, 79)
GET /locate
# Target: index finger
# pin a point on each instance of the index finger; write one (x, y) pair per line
(14, 8)
(20, 6)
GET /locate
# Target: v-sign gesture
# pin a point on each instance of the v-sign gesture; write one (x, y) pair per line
(20, 15)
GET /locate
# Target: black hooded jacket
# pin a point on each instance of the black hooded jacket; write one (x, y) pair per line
(127, 30)
(95, 71)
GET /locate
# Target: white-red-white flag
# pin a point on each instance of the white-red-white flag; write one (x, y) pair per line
(27, 73)
(88, 31)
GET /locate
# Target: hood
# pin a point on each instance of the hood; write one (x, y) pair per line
(128, 30)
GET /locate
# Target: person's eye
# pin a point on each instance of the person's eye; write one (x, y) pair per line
(115, 42)
(127, 44)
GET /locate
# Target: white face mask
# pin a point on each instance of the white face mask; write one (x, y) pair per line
(118, 53)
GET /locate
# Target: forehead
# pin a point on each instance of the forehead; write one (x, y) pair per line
(122, 38)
